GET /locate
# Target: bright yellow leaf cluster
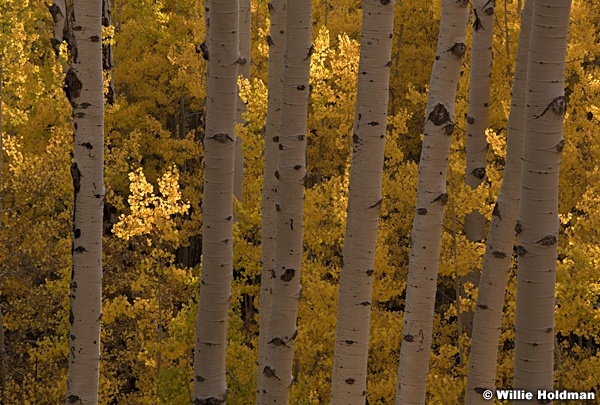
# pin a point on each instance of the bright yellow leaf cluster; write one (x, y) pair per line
(152, 215)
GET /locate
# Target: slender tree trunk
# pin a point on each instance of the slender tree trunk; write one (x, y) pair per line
(498, 255)
(477, 121)
(244, 71)
(3, 367)
(349, 381)
(59, 17)
(431, 198)
(537, 224)
(107, 56)
(291, 171)
(275, 41)
(210, 386)
(83, 86)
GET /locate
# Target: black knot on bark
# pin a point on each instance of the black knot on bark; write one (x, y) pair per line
(269, 372)
(74, 399)
(276, 341)
(385, 2)
(479, 173)
(449, 129)
(222, 137)
(519, 227)
(489, 11)
(470, 120)
(439, 115)
(211, 400)
(408, 338)
(443, 198)
(458, 49)
(370, 272)
(288, 275)
(350, 381)
(421, 211)
(548, 240)
(559, 105)
(560, 146)
(496, 211)
(72, 86)
(521, 251)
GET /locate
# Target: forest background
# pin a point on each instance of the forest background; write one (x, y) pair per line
(153, 180)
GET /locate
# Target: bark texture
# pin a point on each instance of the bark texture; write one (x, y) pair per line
(83, 87)
(210, 386)
(477, 121)
(277, 372)
(498, 255)
(244, 71)
(431, 198)
(349, 381)
(275, 41)
(107, 55)
(538, 222)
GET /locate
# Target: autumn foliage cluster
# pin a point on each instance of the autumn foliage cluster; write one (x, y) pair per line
(153, 212)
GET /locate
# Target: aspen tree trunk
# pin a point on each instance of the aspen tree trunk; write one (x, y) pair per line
(431, 198)
(59, 17)
(349, 381)
(537, 224)
(244, 71)
(107, 56)
(477, 121)
(210, 386)
(3, 366)
(83, 86)
(275, 41)
(281, 336)
(498, 255)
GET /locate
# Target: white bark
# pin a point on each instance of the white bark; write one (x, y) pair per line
(277, 372)
(83, 85)
(210, 386)
(431, 198)
(538, 223)
(477, 121)
(244, 71)
(275, 41)
(349, 382)
(59, 15)
(497, 259)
